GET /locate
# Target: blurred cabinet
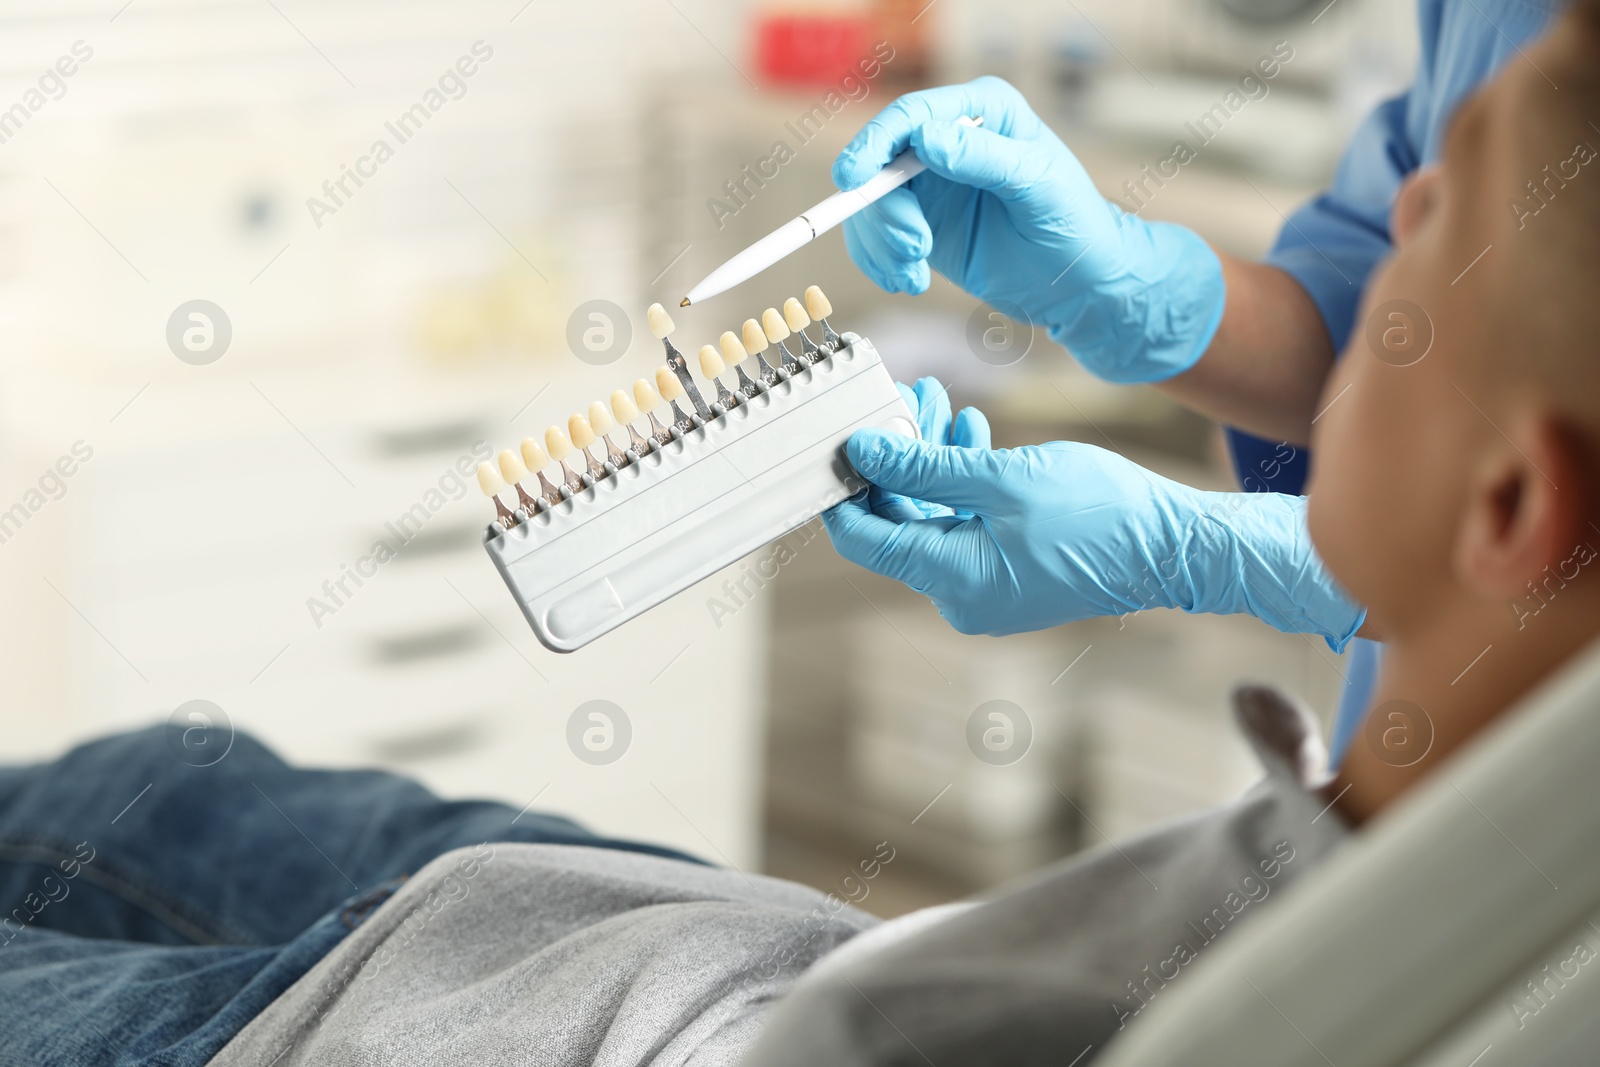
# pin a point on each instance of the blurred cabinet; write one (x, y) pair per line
(371, 347)
(186, 556)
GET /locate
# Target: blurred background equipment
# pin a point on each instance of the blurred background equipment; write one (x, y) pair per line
(409, 231)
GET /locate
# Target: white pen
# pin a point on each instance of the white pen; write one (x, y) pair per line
(805, 228)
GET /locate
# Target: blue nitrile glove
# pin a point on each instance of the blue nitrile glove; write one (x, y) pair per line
(930, 401)
(1055, 533)
(1007, 212)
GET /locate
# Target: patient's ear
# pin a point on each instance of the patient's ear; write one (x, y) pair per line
(1527, 508)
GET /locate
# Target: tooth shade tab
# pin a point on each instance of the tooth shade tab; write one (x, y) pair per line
(733, 352)
(754, 339)
(711, 364)
(795, 315)
(667, 384)
(623, 407)
(773, 326)
(579, 431)
(556, 443)
(511, 468)
(534, 456)
(489, 479)
(645, 395)
(600, 420)
(660, 321)
(817, 304)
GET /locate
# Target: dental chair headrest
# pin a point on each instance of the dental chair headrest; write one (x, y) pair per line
(1411, 945)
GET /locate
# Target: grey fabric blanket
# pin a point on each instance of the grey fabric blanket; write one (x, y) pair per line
(551, 954)
(546, 955)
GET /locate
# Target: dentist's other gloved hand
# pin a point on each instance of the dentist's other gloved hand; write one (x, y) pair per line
(1055, 533)
(1008, 213)
(938, 424)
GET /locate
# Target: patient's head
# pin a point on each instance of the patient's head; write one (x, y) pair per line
(1457, 481)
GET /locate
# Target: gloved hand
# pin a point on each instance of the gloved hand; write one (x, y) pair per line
(1055, 533)
(1007, 212)
(930, 401)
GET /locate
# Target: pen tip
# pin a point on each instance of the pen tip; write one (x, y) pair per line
(684, 302)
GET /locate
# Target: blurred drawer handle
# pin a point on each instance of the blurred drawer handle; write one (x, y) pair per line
(428, 644)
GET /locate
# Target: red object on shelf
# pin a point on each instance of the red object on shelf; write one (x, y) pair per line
(799, 49)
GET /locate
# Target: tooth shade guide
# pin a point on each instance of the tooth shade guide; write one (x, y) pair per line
(660, 322)
(638, 445)
(671, 388)
(490, 479)
(601, 422)
(528, 504)
(511, 466)
(579, 432)
(681, 422)
(817, 305)
(755, 339)
(680, 369)
(773, 326)
(600, 419)
(534, 456)
(557, 444)
(536, 460)
(819, 308)
(582, 436)
(514, 471)
(661, 326)
(659, 433)
(795, 316)
(755, 342)
(651, 531)
(777, 332)
(711, 364)
(667, 384)
(645, 395)
(626, 409)
(734, 355)
(623, 407)
(732, 351)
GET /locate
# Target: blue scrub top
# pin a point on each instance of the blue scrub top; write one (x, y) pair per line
(1333, 243)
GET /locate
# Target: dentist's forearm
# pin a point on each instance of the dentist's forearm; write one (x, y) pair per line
(1266, 365)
